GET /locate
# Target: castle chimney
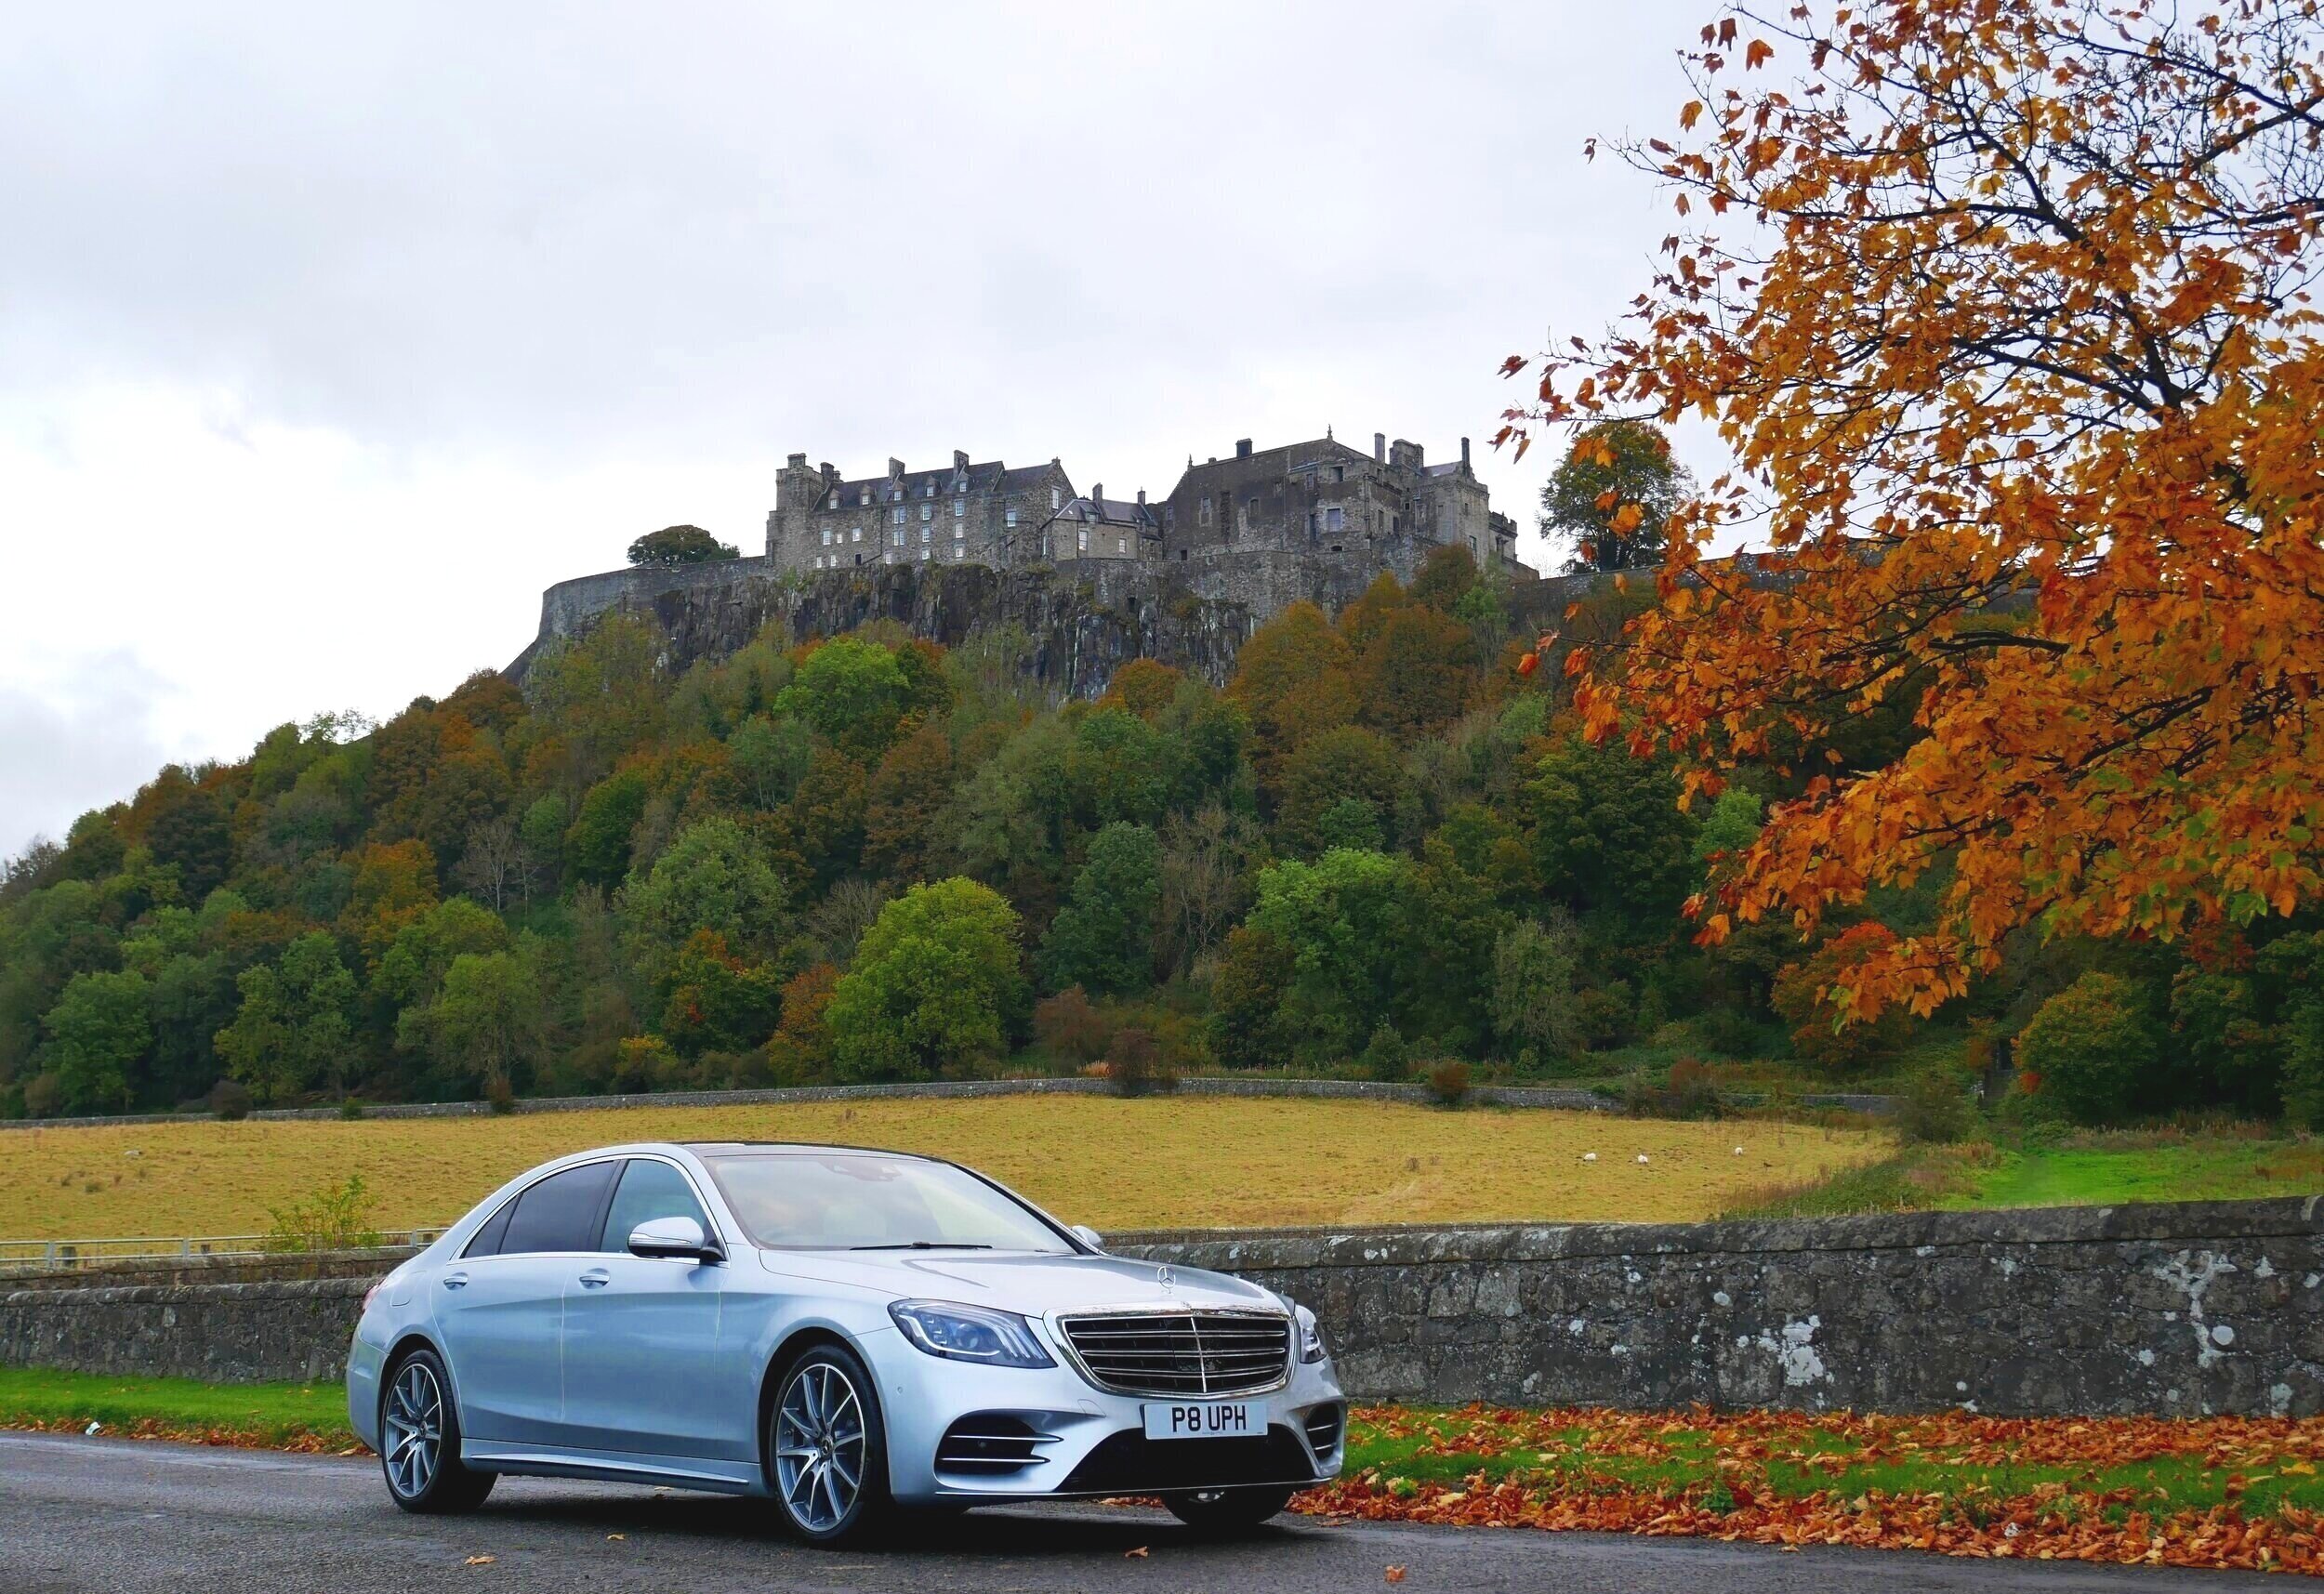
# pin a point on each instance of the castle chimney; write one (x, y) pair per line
(1379, 448)
(959, 460)
(1097, 498)
(1242, 448)
(799, 462)
(895, 469)
(830, 477)
(1142, 497)
(1465, 454)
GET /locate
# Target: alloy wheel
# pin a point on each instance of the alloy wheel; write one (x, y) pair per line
(819, 1446)
(414, 1429)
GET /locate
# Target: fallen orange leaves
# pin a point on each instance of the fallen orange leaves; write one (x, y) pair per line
(1732, 1499)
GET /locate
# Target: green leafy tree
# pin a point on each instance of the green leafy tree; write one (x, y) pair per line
(293, 1028)
(1103, 940)
(905, 805)
(487, 1022)
(1349, 921)
(1248, 1024)
(716, 876)
(1331, 768)
(2091, 1049)
(1609, 838)
(680, 545)
(98, 1035)
(1611, 499)
(852, 691)
(414, 962)
(937, 982)
(597, 844)
(770, 756)
(1535, 966)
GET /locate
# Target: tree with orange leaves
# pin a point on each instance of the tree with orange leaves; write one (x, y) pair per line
(2000, 308)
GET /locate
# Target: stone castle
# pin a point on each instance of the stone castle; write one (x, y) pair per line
(1319, 502)
(1090, 581)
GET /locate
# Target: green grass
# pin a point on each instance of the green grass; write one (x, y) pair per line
(2091, 1168)
(279, 1415)
(1607, 1451)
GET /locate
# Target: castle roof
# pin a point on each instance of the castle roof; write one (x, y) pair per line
(1112, 512)
(989, 477)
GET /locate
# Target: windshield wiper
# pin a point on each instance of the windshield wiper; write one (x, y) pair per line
(924, 1245)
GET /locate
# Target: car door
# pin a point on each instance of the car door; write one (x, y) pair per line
(643, 1372)
(500, 1310)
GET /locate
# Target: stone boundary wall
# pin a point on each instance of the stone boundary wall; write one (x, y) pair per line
(2178, 1310)
(1570, 1099)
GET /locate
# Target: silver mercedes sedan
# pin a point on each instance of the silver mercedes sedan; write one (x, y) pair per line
(850, 1332)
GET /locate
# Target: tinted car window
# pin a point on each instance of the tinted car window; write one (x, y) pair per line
(560, 1213)
(486, 1241)
(649, 1189)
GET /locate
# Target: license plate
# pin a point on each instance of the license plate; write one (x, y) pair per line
(1205, 1420)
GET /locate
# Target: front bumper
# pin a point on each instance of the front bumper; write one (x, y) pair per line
(1047, 1432)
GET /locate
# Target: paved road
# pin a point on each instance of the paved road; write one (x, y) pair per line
(94, 1514)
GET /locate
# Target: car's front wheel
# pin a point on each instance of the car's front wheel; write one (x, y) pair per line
(1226, 1510)
(826, 1447)
(419, 1441)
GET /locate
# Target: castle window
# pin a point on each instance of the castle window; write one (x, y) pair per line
(856, 535)
(834, 497)
(959, 531)
(897, 517)
(928, 489)
(1335, 518)
(827, 536)
(1013, 517)
(923, 553)
(1338, 473)
(896, 537)
(1205, 516)
(1052, 497)
(960, 508)
(923, 536)
(1121, 545)
(1082, 540)
(862, 497)
(925, 512)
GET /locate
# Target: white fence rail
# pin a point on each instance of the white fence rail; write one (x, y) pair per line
(45, 1255)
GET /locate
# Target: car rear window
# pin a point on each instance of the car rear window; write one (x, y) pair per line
(487, 1240)
(561, 1212)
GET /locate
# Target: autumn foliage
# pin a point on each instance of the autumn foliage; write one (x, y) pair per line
(2001, 311)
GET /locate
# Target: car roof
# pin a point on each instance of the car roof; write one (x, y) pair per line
(800, 1148)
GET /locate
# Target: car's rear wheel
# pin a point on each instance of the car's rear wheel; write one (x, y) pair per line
(419, 1441)
(826, 1447)
(1226, 1510)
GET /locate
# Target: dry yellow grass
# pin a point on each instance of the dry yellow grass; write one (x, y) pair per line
(1192, 1161)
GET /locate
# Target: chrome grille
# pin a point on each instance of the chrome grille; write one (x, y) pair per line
(1181, 1354)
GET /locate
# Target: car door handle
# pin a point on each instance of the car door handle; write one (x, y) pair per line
(595, 1277)
(455, 1281)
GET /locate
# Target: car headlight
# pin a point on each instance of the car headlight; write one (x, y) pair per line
(969, 1333)
(1311, 1337)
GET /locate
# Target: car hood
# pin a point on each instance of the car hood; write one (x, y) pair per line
(1022, 1282)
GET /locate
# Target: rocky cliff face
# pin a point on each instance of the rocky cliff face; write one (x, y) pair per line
(1084, 621)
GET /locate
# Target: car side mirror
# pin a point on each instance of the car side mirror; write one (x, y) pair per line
(1088, 1236)
(674, 1238)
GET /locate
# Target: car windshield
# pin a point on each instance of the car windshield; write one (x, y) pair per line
(856, 1201)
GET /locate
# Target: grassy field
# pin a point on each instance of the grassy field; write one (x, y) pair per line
(1194, 1162)
(282, 1416)
(2089, 1169)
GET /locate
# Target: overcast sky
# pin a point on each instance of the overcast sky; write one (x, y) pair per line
(329, 335)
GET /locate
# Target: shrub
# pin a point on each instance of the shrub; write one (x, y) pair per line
(2304, 1063)
(1447, 1079)
(1070, 1025)
(499, 1095)
(1385, 1056)
(336, 1218)
(799, 1052)
(351, 1110)
(2092, 1047)
(1690, 1090)
(1935, 1111)
(229, 1098)
(1135, 1067)
(1604, 1014)
(1534, 1006)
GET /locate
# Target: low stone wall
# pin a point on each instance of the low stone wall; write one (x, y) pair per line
(2175, 1310)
